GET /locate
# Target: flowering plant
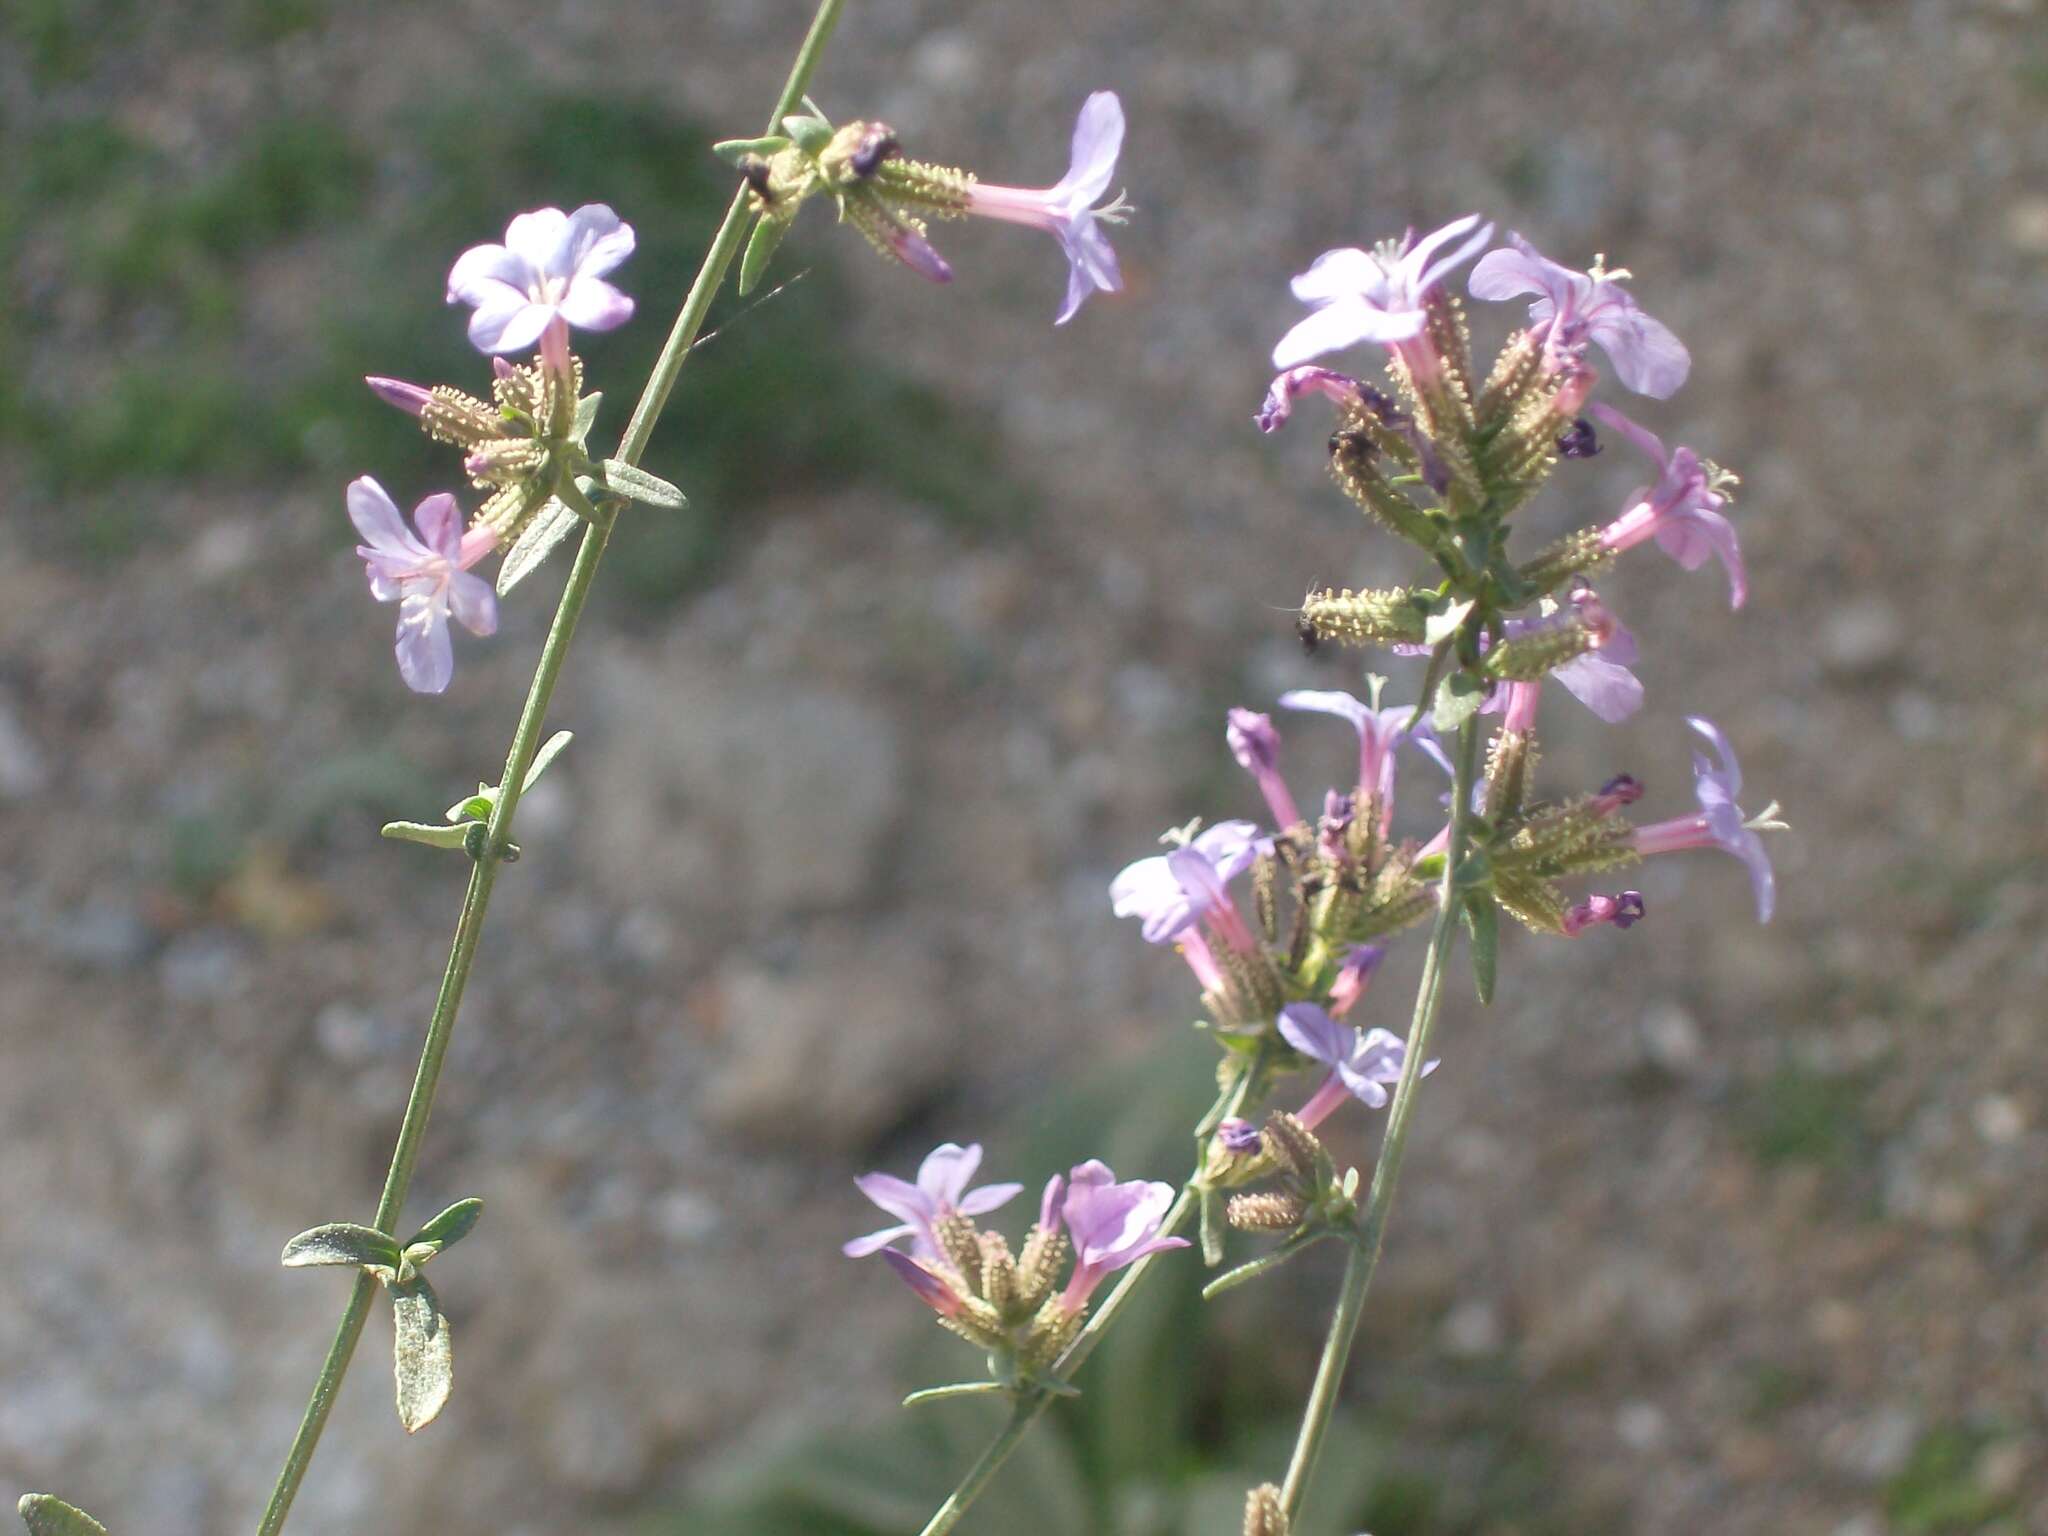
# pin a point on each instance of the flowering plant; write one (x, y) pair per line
(1283, 924)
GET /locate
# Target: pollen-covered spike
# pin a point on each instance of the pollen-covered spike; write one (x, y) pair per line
(1353, 467)
(508, 510)
(1377, 616)
(958, 1240)
(1509, 762)
(1337, 909)
(1039, 1266)
(1051, 1331)
(1265, 897)
(1252, 990)
(1536, 652)
(1264, 1514)
(505, 461)
(1444, 319)
(1515, 372)
(1576, 554)
(1536, 904)
(938, 191)
(1294, 1145)
(1397, 900)
(1265, 1212)
(450, 416)
(559, 394)
(978, 1323)
(998, 1272)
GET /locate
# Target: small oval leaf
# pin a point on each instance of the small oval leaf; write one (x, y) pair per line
(732, 151)
(422, 1354)
(341, 1242)
(451, 1226)
(425, 832)
(552, 524)
(761, 247)
(549, 751)
(634, 483)
(47, 1515)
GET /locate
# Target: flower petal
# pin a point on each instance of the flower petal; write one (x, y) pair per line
(1649, 442)
(439, 520)
(1424, 273)
(1647, 355)
(426, 656)
(484, 268)
(592, 304)
(378, 520)
(904, 1201)
(874, 1242)
(1315, 1034)
(1098, 140)
(946, 1170)
(473, 603)
(595, 241)
(539, 239)
(1691, 536)
(1729, 776)
(979, 1202)
(1605, 687)
(508, 327)
(1508, 274)
(1345, 272)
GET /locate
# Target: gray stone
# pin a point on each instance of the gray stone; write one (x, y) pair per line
(829, 1053)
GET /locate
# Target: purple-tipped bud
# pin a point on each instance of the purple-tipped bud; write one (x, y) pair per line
(1256, 746)
(931, 1289)
(1353, 977)
(1623, 789)
(918, 254)
(409, 398)
(1238, 1136)
(1578, 441)
(1623, 911)
(1278, 405)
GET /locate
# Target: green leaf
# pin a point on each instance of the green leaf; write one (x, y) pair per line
(477, 807)
(549, 751)
(1265, 1263)
(811, 134)
(760, 251)
(341, 1242)
(422, 1355)
(634, 483)
(451, 1226)
(426, 832)
(1458, 700)
(552, 524)
(1445, 622)
(586, 417)
(732, 151)
(1211, 1228)
(1482, 922)
(1475, 870)
(957, 1389)
(574, 493)
(47, 1515)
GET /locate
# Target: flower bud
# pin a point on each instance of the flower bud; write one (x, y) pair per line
(1266, 1212)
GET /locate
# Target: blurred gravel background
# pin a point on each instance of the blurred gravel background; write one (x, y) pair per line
(1715, 1228)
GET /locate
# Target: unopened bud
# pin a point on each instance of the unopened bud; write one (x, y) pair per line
(505, 461)
(1266, 1212)
(1052, 1330)
(1295, 1146)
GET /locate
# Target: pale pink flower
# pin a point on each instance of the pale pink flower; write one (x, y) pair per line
(426, 574)
(549, 274)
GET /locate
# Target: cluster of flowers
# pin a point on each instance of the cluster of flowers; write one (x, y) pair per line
(524, 446)
(1006, 1304)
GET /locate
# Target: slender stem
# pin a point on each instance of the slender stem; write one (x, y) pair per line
(1365, 1252)
(1033, 1402)
(525, 742)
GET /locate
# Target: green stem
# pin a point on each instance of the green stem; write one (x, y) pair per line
(526, 740)
(1365, 1252)
(1033, 1402)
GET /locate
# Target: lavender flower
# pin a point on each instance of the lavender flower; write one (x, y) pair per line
(426, 574)
(1682, 511)
(1721, 823)
(1578, 307)
(1379, 732)
(548, 275)
(1066, 209)
(940, 1191)
(1111, 1224)
(1377, 295)
(1362, 1062)
(1151, 891)
(1256, 746)
(1599, 678)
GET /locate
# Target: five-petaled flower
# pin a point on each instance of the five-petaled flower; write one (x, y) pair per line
(1682, 511)
(1377, 295)
(1067, 209)
(426, 574)
(1577, 307)
(1362, 1062)
(1151, 891)
(547, 276)
(940, 1191)
(1111, 1225)
(1720, 822)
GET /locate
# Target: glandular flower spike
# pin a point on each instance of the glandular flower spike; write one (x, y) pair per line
(1264, 1514)
(960, 1243)
(450, 416)
(1377, 616)
(1266, 1212)
(1038, 1267)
